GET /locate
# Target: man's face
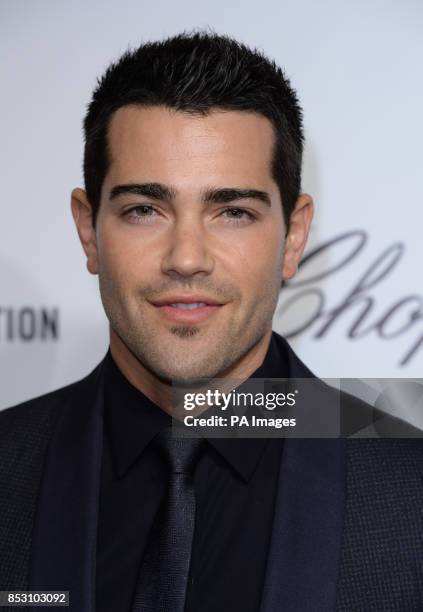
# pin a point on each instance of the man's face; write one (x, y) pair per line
(189, 242)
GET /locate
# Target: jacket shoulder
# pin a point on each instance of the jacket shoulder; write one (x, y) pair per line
(25, 433)
(41, 405)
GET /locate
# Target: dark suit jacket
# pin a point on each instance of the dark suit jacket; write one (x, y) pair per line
(347, 532)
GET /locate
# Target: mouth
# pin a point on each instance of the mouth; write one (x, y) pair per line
(187, 309)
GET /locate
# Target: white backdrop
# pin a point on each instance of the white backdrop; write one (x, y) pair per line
(357, 306)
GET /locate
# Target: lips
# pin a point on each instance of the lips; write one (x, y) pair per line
(187, 299)
(187, 309)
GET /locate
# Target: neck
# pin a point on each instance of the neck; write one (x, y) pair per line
(158, 390)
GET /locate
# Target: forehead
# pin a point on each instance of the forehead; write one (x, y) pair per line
(159, 143)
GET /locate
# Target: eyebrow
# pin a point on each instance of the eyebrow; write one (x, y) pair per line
(157, 191)
(150, 190)
(226, 194)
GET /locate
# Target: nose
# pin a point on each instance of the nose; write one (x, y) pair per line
(187, 251)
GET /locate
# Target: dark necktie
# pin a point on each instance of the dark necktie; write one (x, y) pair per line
(163, 578)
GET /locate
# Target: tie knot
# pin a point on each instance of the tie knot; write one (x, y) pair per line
(181, 453)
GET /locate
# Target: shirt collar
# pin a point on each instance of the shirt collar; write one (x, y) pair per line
(132, 420)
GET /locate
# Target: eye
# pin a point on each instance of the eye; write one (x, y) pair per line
(238, 216)
(140, 214)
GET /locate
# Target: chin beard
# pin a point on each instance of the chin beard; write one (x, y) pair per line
(184, 331)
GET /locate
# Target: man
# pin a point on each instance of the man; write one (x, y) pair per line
(192, 216)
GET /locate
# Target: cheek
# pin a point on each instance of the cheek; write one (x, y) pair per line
(115, 259)
(122, 258)
(257, 269)
(259, 257)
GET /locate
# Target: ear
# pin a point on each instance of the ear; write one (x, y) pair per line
(299, 227)
(83, 217)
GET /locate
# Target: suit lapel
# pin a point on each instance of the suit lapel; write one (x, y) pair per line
(305, 545)
(64, 541)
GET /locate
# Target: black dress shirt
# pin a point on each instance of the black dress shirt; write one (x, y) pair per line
(235, 483)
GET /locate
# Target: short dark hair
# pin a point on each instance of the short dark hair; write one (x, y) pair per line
(196, 73)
